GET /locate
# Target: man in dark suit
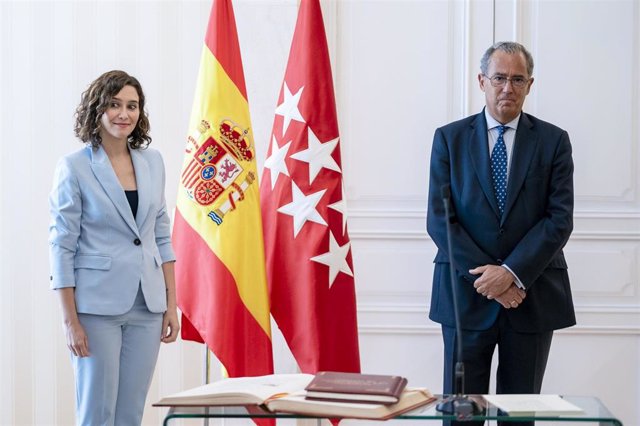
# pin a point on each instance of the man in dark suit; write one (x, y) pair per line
(511, 181)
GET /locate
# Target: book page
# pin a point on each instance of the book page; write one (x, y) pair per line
(240, 390)
(533, 404)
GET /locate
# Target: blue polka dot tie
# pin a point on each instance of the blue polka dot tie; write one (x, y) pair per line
(499, 169)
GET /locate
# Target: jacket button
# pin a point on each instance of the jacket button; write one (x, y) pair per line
(501, 232)
(137, 241)
(499, 261)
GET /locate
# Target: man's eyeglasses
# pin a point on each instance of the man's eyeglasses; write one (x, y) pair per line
(501, 81)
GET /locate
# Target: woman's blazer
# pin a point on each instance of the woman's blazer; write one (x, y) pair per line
(96, 245)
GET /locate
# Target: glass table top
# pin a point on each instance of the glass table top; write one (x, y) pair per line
(593, 411)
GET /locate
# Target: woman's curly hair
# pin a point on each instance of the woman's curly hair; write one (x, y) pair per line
(95, 101)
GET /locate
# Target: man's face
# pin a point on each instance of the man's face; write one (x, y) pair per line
(505, 103)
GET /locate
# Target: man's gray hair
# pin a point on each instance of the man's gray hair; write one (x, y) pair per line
(509, 47)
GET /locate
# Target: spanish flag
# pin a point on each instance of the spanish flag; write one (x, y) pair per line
(220, 272)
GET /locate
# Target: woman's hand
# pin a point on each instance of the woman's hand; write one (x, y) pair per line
(77, 340)
(170, 326)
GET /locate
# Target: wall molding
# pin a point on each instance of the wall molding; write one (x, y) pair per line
(410, 213)
(410, 224)
(388, 235)
(357, 234)
(408, 308)
(435, 330)
(606, 235)
(411, 319)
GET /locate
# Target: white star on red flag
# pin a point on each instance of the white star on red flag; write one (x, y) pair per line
(341, 207)
(318, 155)
(335, 259)
(288, 109)
(303, 208)
(275, 162)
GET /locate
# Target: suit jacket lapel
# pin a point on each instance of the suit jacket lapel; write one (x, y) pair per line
(143, 181)
(478, 145)
(101, 167)
(524, 146)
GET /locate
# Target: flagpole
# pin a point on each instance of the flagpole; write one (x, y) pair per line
(207, 365)
(207, 375)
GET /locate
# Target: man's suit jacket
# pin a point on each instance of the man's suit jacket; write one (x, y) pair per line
(528, 237)
(96, 245)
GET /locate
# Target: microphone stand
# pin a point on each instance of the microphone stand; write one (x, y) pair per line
(458, 404)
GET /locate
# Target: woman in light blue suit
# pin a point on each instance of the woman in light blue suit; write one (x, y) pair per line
(111, 256)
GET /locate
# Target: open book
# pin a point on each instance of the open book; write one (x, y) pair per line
(285, 393)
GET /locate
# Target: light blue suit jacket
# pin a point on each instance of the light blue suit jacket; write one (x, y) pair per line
(96, 245)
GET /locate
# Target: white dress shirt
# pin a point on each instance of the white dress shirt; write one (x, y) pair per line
(509, 137)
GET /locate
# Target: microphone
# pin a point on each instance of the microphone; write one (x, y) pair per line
(458, 404)
(445, 192)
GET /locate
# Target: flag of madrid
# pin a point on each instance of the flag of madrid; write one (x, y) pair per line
(307, 247)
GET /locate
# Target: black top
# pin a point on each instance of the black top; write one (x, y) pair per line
(132, 198)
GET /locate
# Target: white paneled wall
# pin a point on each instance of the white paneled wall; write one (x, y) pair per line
(401, 69)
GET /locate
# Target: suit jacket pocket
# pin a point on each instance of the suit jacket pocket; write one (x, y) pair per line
(92, 261)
